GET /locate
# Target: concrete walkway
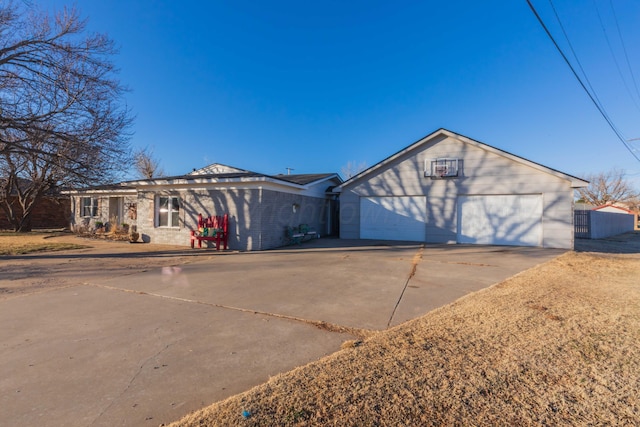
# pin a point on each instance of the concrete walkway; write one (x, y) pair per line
(146, 345)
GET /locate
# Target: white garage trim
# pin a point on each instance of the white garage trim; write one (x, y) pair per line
(393, 218)
(500, 219)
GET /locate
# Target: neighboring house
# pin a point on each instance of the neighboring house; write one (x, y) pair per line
(582, 206)
(260, 207)
(613, 209)
(50, 211)
(447, 188)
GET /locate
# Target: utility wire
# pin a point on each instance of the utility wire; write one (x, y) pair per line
(575, 55)
(624, 49)
(598, 106)
(615, 60)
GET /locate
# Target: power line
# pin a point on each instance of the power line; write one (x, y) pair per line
(624, 49)
(615, 60)
(575, 55)
(566, 60)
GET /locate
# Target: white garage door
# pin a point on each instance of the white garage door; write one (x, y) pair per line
(393, 218)
(500, 220)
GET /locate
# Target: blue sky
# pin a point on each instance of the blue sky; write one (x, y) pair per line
(269, 85)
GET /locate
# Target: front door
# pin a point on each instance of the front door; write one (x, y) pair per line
(116, 212)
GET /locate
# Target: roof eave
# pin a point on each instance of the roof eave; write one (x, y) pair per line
(124, 190)
(389, 159)
(209, 180)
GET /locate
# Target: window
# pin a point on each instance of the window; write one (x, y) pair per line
(89, 206)
(168, 211)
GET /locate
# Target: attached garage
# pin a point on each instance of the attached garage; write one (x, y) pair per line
(393, 218)
(500, 219)
(447, 188)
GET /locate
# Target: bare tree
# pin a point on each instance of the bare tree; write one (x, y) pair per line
(26, 176)
(608, 188)
(62, 121)
(352, 169)
(146, 164)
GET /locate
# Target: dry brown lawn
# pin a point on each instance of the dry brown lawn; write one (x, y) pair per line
(556, 345)
(23, 243)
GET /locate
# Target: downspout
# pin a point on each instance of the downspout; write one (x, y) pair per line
(260, 219)
(332, 199)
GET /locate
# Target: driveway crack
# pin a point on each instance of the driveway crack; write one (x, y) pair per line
(320, 324)
(131, 381)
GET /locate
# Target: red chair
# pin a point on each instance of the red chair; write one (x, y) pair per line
(213, 229)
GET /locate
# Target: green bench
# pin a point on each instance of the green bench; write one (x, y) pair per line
(300, 234)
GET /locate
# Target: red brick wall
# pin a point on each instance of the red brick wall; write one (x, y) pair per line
(50, 212)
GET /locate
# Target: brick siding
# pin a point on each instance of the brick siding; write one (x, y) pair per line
(49, 212)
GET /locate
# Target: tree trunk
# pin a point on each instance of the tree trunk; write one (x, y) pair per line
(28, 201)
(23, 225)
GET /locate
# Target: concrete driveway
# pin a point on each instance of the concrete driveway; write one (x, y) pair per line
(145, 345)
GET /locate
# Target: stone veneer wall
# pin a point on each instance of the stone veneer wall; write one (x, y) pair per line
(277, 213)
(257, 218)
(78, 222)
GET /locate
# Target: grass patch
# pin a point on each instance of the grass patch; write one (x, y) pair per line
(556, 345)
(23, 243)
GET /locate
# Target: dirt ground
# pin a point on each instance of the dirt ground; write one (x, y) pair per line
(558, 344)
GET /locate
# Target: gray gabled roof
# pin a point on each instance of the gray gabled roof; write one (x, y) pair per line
(228, 175)
(217, 168)
(195, 177)
(298, 179)
(304, 179)
(575, 181)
